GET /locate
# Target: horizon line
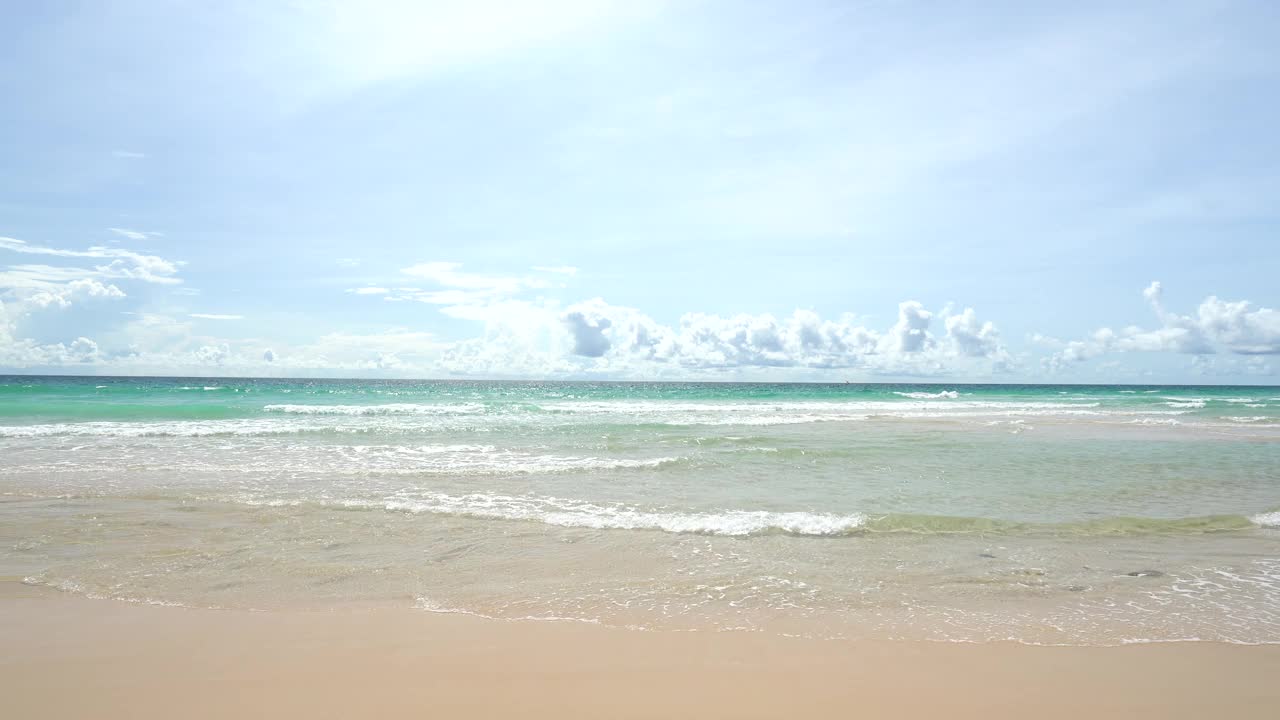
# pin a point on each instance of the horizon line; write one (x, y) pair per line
(621, 382)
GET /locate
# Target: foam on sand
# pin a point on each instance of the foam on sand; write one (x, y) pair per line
(573, 513)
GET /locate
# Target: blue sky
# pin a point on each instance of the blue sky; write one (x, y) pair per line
(710, 190)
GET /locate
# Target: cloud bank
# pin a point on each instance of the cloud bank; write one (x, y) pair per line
(1218, 326)
(518, 331)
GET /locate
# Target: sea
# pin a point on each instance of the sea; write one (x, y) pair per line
(1045, 514)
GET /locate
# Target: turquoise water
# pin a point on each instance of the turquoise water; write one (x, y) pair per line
(1057, 514)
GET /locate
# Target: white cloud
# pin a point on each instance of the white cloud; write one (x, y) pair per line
(971, 337)
(544, 338)
(64, 296)
(616, 337)
(123, 263)
(28, 290)
(369, 291)
(18, 352)
(347, 262)
(1239, 327)
(127, 154)
(1218, 325)
(83, 350)
(911, 332)
(40, 277)
(134, 234)
(596, 338)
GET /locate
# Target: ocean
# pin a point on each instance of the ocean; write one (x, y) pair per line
(1071, 514)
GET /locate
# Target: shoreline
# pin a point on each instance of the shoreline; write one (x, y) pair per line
(70, 656)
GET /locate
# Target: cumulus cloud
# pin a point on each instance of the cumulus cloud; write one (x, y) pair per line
(1217, 326)
(587, 329)
(911, 332)
(971, 337)
(617, 337)
(1239, 327)
(544, 338)
(76, 290)
(28, 290)
(83, 350)
(16, 352)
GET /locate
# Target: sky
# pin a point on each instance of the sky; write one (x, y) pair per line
(706, 190)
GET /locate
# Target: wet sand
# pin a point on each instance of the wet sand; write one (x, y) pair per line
(71, 657)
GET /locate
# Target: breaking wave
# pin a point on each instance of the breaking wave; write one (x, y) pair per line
(564, 512)
(574, 513)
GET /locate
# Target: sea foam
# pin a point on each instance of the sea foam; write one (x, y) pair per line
(573, 513)
(385, 409)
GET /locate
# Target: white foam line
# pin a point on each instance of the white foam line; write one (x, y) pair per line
(569, 513)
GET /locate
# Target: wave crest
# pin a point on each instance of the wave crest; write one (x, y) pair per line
(1270, 520)
(744, 523)
(573, 513)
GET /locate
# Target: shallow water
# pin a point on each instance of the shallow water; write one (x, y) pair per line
(1053, 514)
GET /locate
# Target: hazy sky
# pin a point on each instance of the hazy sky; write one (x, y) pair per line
(713, 190)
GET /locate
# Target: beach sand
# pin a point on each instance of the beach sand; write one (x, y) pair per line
(71, 657)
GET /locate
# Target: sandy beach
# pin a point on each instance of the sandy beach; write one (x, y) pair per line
(71, 657)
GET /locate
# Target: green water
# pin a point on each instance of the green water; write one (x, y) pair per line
(1077, 514)
(67, 399)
